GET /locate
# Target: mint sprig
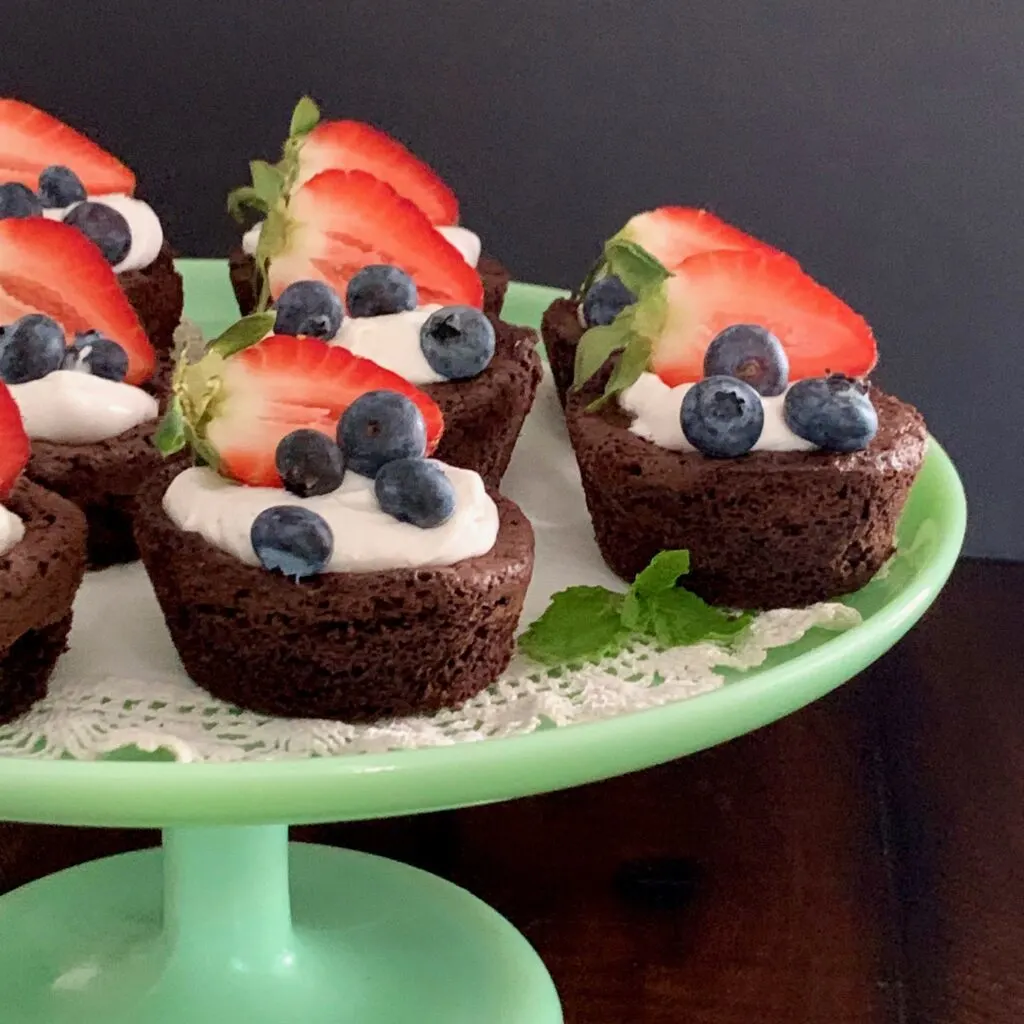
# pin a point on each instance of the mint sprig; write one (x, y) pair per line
(589, 623)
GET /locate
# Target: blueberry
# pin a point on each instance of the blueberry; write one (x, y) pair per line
(380, 289)
(311, 308)
(293, 540)
(60, 186)
(835, 413)
(17, 200)
(309, 462)
(104, 226)
(415, 491)
(457, 341)
(92, 353)
(605, 300)
(751, 353)
(379, 427)
(722, 417)
(32, 347)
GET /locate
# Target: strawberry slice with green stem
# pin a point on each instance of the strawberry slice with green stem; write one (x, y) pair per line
(246, 392)
(32, 140)
(341, 221)
(356, 146)
(52, 268)
(15, 446)
(672, 234)
(669, 329)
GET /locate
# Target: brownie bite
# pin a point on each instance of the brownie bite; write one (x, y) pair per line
(38, 580)
(771, 529)
(352, 646)
(157, 296)
(561, 331)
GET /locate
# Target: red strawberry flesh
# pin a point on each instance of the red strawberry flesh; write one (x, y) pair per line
(713, 290)
(674, 233)
(342, 221)
(49, 267)
(355, 146)
(15, 447)
(32, 140)
(284, 383)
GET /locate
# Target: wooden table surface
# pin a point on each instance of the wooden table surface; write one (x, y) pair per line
(861, 862)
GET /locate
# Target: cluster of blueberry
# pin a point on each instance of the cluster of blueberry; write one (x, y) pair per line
(381, 435)
(35, 346)
(59, 188)
(457, 341)
(723, 415)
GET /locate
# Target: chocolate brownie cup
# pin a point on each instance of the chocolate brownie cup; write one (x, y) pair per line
(102, 479)
(245, 280)
(38, 580)
(352, 646)
(157, 296)
(484, 415)
(561, 331)
(768, 530)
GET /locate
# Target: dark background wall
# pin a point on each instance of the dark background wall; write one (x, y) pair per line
(880, 142)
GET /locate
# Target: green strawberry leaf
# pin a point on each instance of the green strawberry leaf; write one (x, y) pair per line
(268, 182)
(598, 343)
(170, 438)
(242, 199)
(661, 575)
(242, 334)
(635, 359)
(580, 624)
(638, 270)
(204, 453)
(305, 117)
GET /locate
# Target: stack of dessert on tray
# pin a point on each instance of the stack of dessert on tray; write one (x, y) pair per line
(314, 493)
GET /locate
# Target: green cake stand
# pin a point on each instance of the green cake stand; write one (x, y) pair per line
(229, 923)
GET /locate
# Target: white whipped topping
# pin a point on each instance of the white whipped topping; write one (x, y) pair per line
(365, 538)
(391, 341)
(12, 529)
(655, 408)
(73, 407)
(466, 241)
(144, 224)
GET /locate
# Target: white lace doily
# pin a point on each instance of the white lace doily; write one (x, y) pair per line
(87, 717)
(121, 684)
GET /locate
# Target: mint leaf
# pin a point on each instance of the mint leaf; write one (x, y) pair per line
(170, 435)
(598, 343)
(662, 574)
(241, 199)
(638, 270)
(267, 181)
(240, 335)
(305, 117)
(580, 624)
(678, 618)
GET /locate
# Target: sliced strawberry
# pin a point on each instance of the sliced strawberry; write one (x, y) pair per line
(32, 140)
(49, 267)
(14, 443)
(355, 146)
(713, 290)
(674, 233)
(283, 383)
(341, 221)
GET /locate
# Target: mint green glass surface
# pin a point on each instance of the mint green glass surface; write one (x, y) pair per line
(160, 794)
(228, 923)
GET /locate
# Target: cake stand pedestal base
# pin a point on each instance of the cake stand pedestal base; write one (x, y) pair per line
(233, 924)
